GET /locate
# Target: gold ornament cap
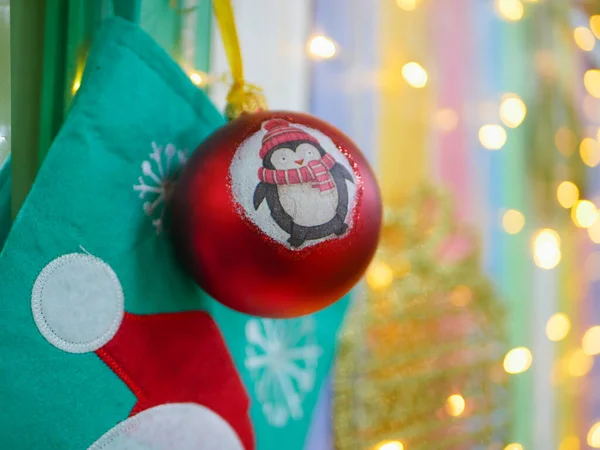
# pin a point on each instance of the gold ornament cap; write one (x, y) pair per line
(247, 99)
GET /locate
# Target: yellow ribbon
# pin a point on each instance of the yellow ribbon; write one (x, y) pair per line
(242, 97)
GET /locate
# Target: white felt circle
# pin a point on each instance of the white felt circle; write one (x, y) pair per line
(181, 426)
(244, 179)
(77, 303)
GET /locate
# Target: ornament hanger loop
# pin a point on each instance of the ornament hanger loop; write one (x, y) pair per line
(243, 97)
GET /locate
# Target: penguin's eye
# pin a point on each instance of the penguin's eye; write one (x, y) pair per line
(308, 151)
(282, 158)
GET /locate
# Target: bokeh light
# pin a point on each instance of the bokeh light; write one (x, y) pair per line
(590, 344)
(414, 74)
(461, 296)
(509, 9)
(593, 437)
(455, 405)
(514, 446)
(595, 25)
(584, 213)
(199, 78)
(407, 5)
(513, 221)
(321, 47)
(492, 137)
(589, 150)
(591, 80)
(558, 327)
(512, 110)
(594, 232)
(518, 360)
(584, 38)
(390, 445)
(567, 194)
(546, 249)
(579, 364)
(379, 275)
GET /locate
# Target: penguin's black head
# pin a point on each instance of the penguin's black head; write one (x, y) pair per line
(295, 147)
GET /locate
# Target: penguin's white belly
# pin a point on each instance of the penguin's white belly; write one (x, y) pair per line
(308, 206)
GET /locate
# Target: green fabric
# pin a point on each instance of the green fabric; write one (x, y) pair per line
(83, 200)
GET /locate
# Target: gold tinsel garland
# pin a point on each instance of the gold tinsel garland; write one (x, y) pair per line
(420, 358)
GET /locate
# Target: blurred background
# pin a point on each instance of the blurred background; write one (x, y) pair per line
(478, 323)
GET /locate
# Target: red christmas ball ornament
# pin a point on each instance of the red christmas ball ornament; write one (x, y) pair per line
(276, 214)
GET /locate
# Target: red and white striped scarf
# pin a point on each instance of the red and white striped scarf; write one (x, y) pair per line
(316, 172)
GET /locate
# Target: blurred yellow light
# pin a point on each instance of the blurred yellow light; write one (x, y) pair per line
(589, 150)
(407, 5)
(379, 275)
(321, 47)
(584, 38)
(390, 445)
(512, 110)
(518, 360)
(461, 296)
(565, 141)
(76, 85)
(509, 9)
(199, 78)
(414, 74)
(546, 249)
(590, 344)
(595, 25)
(593, 437)
(591, 80)
(513, 221)
(584, 213)
(594, 232)
(514, 446)
(455, 405)
(446, 119)
(579, 364)
(557, 327)
(492, 137)
(567, 194)
(570, 443)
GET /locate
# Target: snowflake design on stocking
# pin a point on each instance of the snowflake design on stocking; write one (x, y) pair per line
(159, 175)
(282, 357)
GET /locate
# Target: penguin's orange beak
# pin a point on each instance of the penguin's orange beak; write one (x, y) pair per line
(299, 161)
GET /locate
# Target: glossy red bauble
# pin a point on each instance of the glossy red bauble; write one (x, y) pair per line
(276, 214)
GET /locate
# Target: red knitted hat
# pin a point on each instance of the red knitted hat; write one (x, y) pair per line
(280, 131)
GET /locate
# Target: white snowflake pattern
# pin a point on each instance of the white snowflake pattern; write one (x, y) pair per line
(282, 358)
(159, 175)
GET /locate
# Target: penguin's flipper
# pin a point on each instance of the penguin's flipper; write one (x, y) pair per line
(260, 193)
(337, 167)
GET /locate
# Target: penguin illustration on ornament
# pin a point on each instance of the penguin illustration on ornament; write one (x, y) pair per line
(304, 186)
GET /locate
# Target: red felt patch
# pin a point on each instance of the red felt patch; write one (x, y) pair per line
(179, 358)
